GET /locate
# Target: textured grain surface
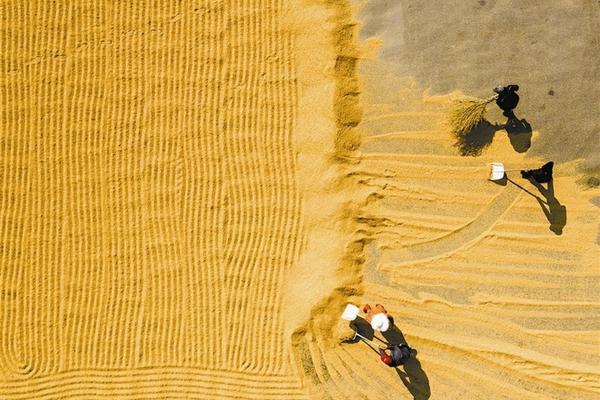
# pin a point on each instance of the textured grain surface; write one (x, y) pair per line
(190, 192)
(495, 303)
(149, 207)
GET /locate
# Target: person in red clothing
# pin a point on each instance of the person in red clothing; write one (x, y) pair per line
(399, 354)
(386, 358)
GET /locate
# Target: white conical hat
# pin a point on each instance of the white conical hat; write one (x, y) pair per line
(497, 172)
(380, 322)
(350, 312)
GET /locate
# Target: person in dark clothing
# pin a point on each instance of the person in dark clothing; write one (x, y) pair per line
(540, 175)
(518, 130)
(555, 212)
(507, 99)
(399, 354)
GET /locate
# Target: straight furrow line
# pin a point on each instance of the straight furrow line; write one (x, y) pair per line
(240, 279)
(15, 176)
(223, 219)
(252, 291)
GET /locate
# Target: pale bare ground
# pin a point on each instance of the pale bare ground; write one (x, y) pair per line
(550, 49)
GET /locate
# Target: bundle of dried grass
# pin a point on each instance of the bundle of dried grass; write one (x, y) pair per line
(466, 112)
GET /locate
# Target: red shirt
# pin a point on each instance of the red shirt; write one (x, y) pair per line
(387, 359)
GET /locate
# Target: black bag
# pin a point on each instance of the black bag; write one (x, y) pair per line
(400, 353)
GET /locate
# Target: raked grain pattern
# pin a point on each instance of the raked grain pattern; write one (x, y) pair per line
(497, 305)
(148, 207)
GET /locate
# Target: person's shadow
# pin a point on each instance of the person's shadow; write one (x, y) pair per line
(363, 328)
(555, 212)
(478, 138)
(473, 142)
(413, 377)
(519, 133)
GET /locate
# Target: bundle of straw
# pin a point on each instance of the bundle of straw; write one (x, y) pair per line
(466, 112)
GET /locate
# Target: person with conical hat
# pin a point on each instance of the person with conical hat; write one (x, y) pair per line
(377, 317)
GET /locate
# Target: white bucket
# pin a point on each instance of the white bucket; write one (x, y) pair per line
(350, 312)
(497, 171)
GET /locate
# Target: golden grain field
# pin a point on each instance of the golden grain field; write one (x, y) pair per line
(149, 208)
(191, 191)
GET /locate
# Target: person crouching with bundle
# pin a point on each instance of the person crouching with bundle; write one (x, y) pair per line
(507, 99)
